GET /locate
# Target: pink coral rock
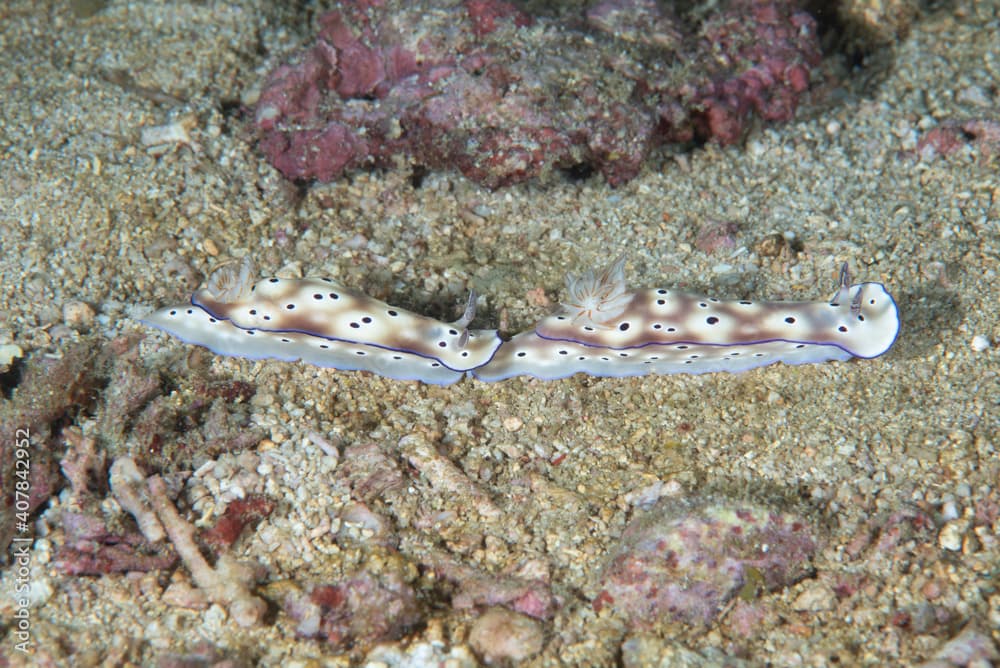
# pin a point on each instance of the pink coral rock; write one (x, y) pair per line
(362, 608)
(482, 87)
(686, 560)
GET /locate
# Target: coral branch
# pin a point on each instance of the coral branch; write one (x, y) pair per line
(126, 478)
(227, 583)
(445, 477)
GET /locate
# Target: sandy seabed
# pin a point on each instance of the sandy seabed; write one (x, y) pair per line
(127, 172)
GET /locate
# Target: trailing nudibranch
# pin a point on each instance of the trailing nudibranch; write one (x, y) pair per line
(324, 323)
(602, 329)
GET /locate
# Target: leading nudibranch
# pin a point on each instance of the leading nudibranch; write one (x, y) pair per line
(663, 331)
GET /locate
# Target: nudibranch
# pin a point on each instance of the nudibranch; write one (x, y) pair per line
(324, 323)
(602, 329)
(605, 330)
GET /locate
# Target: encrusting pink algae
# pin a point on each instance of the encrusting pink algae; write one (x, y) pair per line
(686, 560)
(503, 96)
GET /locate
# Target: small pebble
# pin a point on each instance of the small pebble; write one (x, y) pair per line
(931, 590)
(513, 423)
(980, 343)
(160, 139)
(951, 534)
(757, 148)
(77, 314)
(949, 511)
(214, 619)
(504, 635)
(815, 598)
(976, 95)
(184, 595)
(9, 353)
(971, 648)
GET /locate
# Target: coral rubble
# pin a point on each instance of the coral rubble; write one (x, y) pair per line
(687, 560)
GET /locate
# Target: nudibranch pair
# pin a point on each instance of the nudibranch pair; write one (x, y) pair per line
(602, 329)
